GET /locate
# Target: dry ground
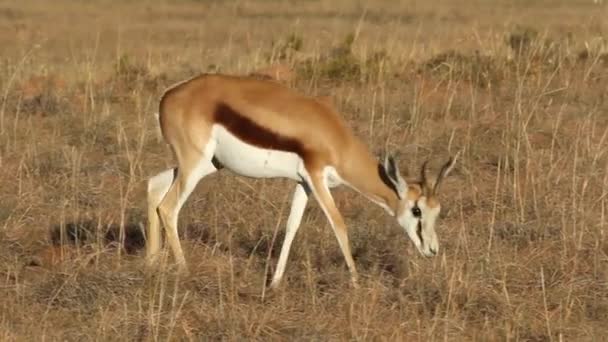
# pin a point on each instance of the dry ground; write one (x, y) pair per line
(520, 87)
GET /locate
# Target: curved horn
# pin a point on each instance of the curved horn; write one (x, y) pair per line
(445, 170)
(424, 180)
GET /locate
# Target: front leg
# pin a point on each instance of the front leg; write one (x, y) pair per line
(321, 191)
(298, 204)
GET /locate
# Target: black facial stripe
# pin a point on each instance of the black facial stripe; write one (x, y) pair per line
(419, 232)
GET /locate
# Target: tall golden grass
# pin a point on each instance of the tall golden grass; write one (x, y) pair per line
(521, 88)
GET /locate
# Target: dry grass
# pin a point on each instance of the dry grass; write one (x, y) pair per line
(520, 87)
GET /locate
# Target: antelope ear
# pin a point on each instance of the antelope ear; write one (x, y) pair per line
(393, 176)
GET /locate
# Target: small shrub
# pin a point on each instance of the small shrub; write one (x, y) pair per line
(285, 49)
(478, 69)
(127, 70)
(596, 48)
(342, 65)
(85, 232)
(521, 39)
(129, 75)
(338, 64)
(41, 95)
(545, 52)
(375, 65)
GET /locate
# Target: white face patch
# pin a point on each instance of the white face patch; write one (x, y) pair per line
(418, 219)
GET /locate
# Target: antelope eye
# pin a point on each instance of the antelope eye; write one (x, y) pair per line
(416, 212)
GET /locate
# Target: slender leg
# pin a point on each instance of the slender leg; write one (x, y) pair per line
(298, 204)
(168, 210)
(326, 201)
(157, 189)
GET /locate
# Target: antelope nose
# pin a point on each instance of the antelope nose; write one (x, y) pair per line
(433, 251)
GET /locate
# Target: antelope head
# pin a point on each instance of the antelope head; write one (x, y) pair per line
(419, 205)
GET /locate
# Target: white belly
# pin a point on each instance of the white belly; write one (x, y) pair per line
(251, 161)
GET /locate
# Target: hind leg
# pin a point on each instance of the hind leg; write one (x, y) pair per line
(170, 206)
(158, 186)
(298, 204)
(188, 175)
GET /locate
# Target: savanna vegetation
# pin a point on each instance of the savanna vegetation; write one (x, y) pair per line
(520, 88)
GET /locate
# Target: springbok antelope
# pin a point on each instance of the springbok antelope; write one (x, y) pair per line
(262, 129)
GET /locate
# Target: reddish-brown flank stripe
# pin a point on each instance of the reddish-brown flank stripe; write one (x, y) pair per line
(254, 134)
